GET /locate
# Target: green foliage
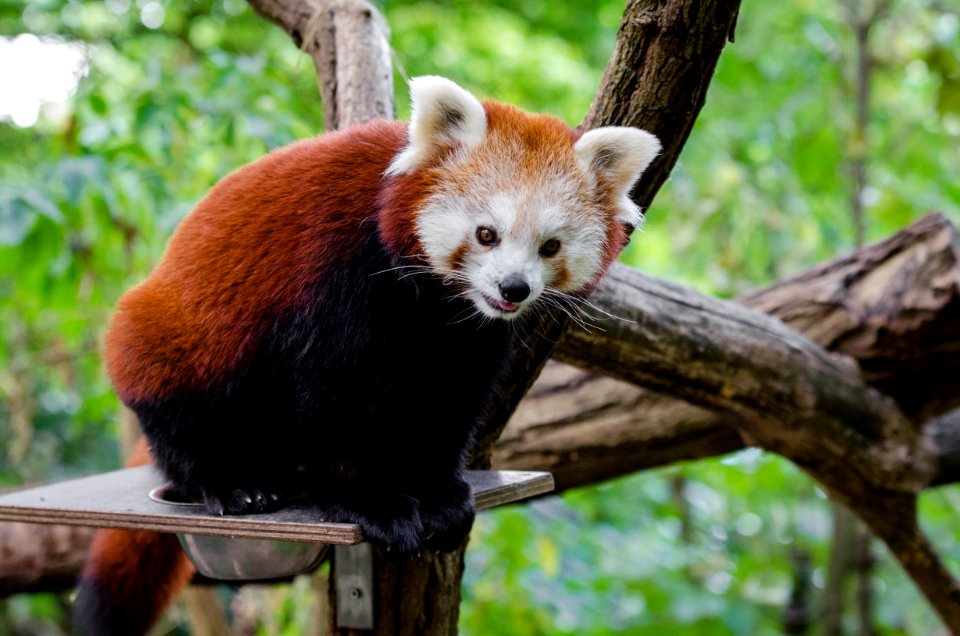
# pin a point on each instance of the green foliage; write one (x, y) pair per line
(762, 188)
(90, 194)
(89, 199)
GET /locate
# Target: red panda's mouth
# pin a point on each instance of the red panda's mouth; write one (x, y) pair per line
(505, 306)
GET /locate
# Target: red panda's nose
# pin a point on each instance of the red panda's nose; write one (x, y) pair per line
(514, 288)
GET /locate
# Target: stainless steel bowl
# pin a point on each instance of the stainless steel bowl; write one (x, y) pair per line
(241, 559)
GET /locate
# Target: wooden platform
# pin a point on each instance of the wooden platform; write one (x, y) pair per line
(119, 500)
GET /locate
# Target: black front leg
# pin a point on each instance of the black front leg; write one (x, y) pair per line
(447, 513)
(389, 520)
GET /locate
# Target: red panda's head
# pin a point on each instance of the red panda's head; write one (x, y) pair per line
(511, 206)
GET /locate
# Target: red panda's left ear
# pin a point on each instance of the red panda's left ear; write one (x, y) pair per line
(444, 115)
(620, 155)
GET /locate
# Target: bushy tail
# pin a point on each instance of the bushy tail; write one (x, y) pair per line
(129, 579)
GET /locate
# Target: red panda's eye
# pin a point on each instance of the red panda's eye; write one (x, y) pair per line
(550, 248)
(486, 235)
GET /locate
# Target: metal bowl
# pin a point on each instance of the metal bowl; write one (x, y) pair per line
(241, 559)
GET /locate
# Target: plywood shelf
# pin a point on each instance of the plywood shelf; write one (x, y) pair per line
(119, 499)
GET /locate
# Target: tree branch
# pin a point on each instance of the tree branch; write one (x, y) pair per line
(786, 394)
(587, 428)
(664, 50)
(657, 79)
(901, 294)
(894, 306)
(349, 42)
(944, 434)
(40, 558)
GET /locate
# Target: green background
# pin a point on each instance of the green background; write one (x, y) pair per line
(90, 194)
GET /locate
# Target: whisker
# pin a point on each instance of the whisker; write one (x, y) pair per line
(540, 331)
(418, 268)
(552, 303)
(578, 319)
(409, 274)
(583, 301)
(519, 337)
(467, 317)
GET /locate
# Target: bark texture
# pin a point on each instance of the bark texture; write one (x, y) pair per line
(898, 294)
(727, 374)
(586, 428)
(657, 79)
(787, 395)
(41, 558)
(658, 75)
(894, 306)
(349, 42)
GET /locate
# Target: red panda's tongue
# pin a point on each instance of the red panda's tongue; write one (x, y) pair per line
(507, 306)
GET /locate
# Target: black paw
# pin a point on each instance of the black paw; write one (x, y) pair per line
(391, 525)
(241, 501)
(447, 519)
(396, 538)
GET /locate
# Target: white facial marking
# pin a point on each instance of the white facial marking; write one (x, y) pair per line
(524, 216)
(525, 209)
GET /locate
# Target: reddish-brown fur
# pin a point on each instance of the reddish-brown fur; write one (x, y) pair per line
(140, 572)
(263, 221)
(546, 141)
(260, 237)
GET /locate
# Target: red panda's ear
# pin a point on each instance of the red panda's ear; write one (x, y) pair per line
(443, 115)
(620, 155)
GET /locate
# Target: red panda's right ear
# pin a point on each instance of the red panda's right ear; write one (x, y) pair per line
(621, 155)
(443, 115)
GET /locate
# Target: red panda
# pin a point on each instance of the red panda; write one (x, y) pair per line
(331, 320)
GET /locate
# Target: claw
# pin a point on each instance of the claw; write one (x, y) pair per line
(215, 506)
